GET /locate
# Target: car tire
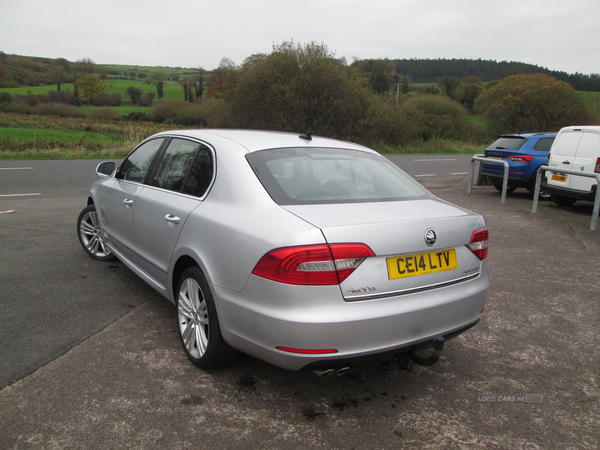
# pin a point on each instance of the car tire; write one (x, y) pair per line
(543, 196)
(90, 235)
(561, 200)
(198, 322)
(508, 188)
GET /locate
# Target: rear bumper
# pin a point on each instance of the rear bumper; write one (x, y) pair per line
(567, 192)
(516, 182)
(303, 317)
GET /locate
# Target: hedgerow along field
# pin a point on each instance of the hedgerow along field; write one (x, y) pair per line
(50, 137)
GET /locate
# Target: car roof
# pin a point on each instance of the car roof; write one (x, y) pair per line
(531, 134)
(255, 140)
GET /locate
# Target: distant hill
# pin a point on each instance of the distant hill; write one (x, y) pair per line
(430, 70)
(18, 71)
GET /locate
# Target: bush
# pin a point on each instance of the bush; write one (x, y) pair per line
(443, 118)
(392, 124)
(101, 99)
(105, 114)
(58, 109)
(181, 113)
(61, 97)
(532, 103)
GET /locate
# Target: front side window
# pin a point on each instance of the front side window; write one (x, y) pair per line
(311, 176)
(135, 168)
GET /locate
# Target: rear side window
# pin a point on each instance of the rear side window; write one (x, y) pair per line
(201, 173)
(175, 164)
(508, 143)
(544, 144)
(312, 176)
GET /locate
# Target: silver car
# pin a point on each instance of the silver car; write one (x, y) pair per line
(298, 250)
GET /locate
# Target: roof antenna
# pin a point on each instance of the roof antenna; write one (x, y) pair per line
(307, 136)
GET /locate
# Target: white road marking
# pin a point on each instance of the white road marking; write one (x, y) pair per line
(16, 168)
(426, 175)
(10, 211)
(460, 173)
(426, 160)
(18, 195)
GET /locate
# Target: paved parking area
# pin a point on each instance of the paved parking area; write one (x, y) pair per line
(528, 376)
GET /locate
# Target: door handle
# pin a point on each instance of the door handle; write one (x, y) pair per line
(128, 203)
(173, 220)
(566, 162)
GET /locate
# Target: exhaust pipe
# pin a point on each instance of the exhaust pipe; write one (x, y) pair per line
(343, 371)
(438, 346)
(324, 373)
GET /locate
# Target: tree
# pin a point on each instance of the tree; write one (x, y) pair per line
(135, 94)
(532, 103)
(88, 85)
(468, 93)
(299, 88)
(449, 85)
(188, 84)
(199, 87)
(159, 79)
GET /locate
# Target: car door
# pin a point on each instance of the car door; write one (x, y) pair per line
(181, 179)
(116, 200)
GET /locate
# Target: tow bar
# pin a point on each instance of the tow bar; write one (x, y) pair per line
(407, 362)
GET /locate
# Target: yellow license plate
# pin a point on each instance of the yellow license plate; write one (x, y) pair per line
(495, 157)
(421, 263)
(559, 178)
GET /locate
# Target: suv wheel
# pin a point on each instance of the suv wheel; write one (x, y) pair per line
(508, 188)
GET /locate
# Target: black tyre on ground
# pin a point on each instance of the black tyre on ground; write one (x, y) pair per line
(90, 236)
(561, 200)
(508, 188)
(198, 323)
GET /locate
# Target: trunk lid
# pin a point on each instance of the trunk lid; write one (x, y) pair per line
(396, 232)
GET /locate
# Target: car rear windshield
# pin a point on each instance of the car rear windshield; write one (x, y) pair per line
(298, 176)
(508, 143)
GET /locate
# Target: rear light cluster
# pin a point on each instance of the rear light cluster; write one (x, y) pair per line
(479, 243)
(316, 265)
(522, 159)
(597, 166)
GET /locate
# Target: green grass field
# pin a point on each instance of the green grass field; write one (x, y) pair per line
(59, 136)
(172, 90)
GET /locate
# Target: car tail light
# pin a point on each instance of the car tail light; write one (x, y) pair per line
(597, 166)
(519, 158)
(313, 264)
(479, 243)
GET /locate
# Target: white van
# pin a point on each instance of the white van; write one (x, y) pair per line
(575, 148)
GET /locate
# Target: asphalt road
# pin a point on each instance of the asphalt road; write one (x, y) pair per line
(53, 296)
(106, 369)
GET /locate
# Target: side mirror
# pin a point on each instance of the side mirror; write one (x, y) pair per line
(106, 169)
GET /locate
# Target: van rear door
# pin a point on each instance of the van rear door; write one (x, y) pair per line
(562, 155)
(585, 159)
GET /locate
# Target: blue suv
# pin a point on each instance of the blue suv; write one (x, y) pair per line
(525, 153)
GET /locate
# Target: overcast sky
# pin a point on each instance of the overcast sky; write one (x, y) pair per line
(558, 34)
